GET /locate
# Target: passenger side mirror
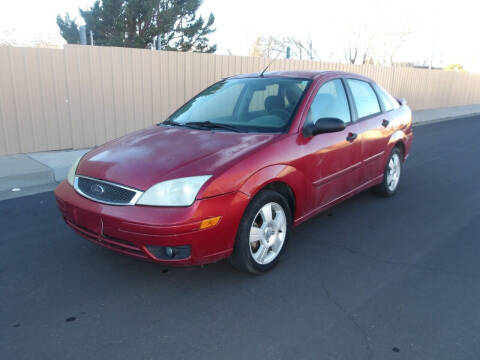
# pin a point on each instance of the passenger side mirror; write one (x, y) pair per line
(324, 125)
(401, 101)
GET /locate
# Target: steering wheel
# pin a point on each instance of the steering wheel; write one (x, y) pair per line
(281, 113)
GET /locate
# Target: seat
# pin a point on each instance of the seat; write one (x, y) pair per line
(274, 103)
(293, 96)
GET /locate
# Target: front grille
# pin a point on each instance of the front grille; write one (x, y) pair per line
(105, 192)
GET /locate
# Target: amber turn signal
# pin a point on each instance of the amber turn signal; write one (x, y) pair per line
(210, 222)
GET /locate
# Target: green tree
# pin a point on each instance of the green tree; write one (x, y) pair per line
(455, 67)
(68, 29)
(138, 23)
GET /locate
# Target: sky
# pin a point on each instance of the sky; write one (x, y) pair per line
(447, 29)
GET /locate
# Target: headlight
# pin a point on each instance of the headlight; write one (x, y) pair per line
(71, 172)
(177, 192)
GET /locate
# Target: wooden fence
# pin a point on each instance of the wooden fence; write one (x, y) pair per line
(81, 96)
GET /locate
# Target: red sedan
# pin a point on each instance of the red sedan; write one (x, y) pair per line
(230, 172)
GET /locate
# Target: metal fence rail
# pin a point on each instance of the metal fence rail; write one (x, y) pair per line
(82, 96)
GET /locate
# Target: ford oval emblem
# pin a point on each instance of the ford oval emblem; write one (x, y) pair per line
(97, 189)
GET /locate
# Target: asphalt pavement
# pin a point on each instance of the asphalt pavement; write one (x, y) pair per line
(371, 278)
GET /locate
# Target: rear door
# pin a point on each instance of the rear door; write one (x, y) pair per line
(373, 127)
(332, 160)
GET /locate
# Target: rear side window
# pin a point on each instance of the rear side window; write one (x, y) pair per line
(366, 101)
(330, 102)
(388, 101)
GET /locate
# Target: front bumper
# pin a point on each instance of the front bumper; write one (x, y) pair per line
(129, 229)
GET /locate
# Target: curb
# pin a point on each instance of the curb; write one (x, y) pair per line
(34, 170)
(446, 118)
(21, 171)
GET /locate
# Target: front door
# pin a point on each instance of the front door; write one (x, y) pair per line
(332, 161)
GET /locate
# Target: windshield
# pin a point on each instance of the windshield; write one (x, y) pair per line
(250, 105)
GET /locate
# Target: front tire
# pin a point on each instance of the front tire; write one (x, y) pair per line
(262, 233)
(391, 174)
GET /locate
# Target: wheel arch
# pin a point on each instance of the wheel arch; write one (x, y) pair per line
(398, 139)
(286, 191)
(400, 145)
(284, 179)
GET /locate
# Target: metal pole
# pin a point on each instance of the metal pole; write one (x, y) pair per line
(91, 37)
(83, 35)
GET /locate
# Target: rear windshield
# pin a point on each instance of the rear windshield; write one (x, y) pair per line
(250, 104)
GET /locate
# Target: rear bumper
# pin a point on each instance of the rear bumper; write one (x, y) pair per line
(130, 229)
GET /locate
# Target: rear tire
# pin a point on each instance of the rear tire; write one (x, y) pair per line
(391, 174)
(262, 233)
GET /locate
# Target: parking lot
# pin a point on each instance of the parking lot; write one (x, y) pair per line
(371, 278)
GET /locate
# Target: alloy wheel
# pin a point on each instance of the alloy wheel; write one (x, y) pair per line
(393, 172)
(267, 233)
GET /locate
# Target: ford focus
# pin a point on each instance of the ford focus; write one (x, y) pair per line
(230, 173)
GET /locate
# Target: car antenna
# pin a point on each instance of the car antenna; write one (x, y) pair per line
(270, 63)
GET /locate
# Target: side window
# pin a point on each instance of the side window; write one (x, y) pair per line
(366, 101)
(387, 105)
(388, 101)
(330, 102)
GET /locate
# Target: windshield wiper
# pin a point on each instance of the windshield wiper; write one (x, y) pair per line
(211, 125)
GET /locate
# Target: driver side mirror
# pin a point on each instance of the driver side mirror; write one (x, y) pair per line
(322, 126)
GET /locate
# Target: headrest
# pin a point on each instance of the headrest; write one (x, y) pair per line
(274, 102)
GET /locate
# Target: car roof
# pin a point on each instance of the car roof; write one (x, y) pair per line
(300, 74)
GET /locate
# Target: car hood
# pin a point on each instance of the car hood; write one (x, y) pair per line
(160, 153)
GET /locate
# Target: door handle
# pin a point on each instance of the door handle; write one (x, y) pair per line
(351, 137)
(385, 123)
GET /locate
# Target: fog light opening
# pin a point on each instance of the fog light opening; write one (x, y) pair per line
(169, 252)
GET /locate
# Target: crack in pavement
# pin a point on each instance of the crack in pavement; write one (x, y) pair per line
(400, 263)
(364, 333)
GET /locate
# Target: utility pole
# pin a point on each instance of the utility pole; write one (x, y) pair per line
(83, 35)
